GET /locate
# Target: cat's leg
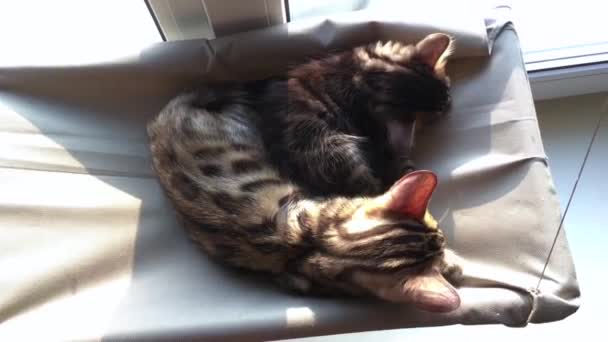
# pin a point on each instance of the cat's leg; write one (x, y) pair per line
(362, 180)
(331, 161)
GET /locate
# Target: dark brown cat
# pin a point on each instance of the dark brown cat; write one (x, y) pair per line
(344, 124)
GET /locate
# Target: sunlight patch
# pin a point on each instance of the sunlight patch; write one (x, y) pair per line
(300, 317)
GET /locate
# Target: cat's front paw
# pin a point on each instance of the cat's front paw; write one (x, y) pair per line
(451, 267)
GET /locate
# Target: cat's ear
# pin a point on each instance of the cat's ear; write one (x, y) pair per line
(434, 50)
(411, 194)
(430, 291)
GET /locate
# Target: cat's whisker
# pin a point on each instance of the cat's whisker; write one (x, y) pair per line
(443, 216)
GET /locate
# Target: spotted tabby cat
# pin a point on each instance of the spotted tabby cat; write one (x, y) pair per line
(244, 166)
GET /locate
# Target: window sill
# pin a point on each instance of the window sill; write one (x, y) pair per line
(569, 80)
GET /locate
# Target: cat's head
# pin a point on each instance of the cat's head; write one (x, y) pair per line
(405, 81)
(392, 247)
(422, 242)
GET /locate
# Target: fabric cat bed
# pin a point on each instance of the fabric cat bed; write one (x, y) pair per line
(91, 248)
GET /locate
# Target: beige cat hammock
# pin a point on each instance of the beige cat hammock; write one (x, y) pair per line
(95, 250)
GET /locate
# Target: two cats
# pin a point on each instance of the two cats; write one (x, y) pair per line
(302, 177)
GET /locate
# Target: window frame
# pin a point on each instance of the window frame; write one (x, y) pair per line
(552, 73)
(208, 19)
